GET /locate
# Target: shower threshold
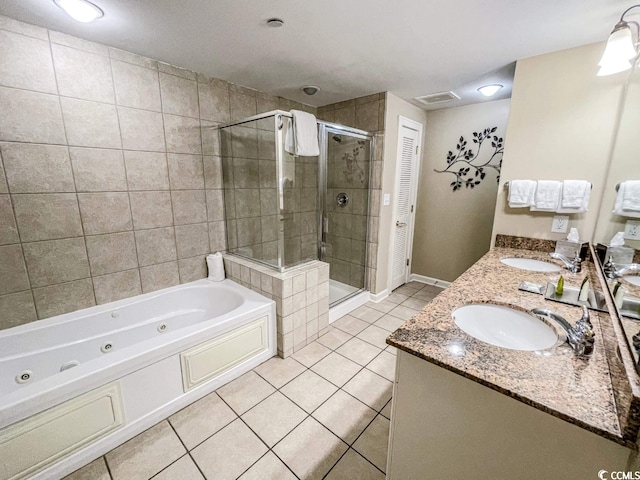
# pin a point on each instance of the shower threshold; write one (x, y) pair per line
(344, 299)
(339, 290)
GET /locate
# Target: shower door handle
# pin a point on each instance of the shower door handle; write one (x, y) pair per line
(400, 224)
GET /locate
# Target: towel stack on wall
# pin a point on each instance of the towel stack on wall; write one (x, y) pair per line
(628, 199)
(568, 196)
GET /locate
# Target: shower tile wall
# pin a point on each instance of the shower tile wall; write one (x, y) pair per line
(365, 113)
(110, 182)
(301, 296)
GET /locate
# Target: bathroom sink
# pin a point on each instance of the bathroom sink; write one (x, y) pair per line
(531, 264)
(505, 327)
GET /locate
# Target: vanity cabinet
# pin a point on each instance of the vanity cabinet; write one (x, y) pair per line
(446, 426)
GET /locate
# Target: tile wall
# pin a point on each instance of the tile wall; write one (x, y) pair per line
(365, 113)
(301, 296)
(110, 179)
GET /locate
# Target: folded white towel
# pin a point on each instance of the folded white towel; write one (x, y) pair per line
(575, 196)
(619, 206)
(631, 196)
(521, 193)
(305, 134)
(547, 196)
(573, 193)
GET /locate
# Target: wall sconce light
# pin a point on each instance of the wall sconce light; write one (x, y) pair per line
(621, 47)
(80, 10)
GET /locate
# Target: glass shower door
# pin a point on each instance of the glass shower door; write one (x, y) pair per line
(344, 186)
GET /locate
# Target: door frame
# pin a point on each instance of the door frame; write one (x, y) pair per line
(419, 127)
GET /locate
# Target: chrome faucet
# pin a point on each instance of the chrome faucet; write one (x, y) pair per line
(574, 266)
(613, 270)
(580, 337)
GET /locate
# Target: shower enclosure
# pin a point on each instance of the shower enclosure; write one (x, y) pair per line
(283, 211)
(345, 170)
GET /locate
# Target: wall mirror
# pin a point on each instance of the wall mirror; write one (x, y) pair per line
(624, 166)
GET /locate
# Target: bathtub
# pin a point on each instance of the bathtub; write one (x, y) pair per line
(104, 374)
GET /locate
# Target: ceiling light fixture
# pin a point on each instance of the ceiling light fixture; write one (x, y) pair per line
(80, 10)
(310, 89)
(490, 90)
(621, 47)
(275, 22)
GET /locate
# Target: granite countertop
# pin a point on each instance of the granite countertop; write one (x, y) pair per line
(579, 391)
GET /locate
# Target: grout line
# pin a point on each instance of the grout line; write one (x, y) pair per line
(187, 450)
(288, 381)
(285, 463)
(104, 457)
(269, 449)
(126, 175)
(334, 465)
(112, 104)
(218, 430)
(73, 173)
(175, 461)
(204, 176)
(257, 460)
(166, 157)
(70, 145)
(385, 406)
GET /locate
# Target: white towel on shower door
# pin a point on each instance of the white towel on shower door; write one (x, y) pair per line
(305, 134)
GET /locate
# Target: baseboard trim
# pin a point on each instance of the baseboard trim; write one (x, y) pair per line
(414, 277)
(378, 297)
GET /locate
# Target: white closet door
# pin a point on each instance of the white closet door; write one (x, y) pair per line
(408, 146)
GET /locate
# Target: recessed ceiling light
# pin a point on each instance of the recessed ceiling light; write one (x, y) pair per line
(490, 90)
(275, 22)
(80, 10)
(310, 89)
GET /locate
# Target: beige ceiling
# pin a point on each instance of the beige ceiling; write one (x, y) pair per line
(349, 48)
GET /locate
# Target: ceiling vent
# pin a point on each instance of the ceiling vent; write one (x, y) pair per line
(437, 98)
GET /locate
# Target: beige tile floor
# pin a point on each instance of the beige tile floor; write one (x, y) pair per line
(321, 413)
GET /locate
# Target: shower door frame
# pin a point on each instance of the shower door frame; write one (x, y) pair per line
(278, 116)
(324, 130)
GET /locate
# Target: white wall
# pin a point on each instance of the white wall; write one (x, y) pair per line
(453, 229)
(396, 107)
(561, 126)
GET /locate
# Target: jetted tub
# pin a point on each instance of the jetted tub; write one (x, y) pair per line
(73, 387)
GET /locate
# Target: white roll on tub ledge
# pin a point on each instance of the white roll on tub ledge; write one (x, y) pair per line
(104, 374)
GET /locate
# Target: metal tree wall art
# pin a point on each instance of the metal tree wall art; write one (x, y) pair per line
(466, 165)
